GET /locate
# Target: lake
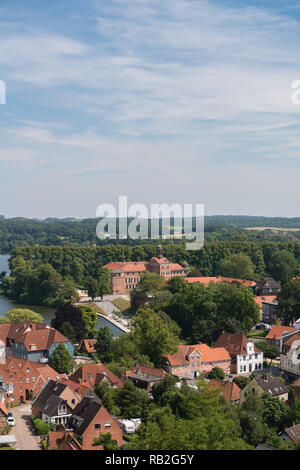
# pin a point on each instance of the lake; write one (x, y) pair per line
(47, 313)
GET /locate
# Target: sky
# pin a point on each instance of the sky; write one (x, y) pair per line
(164, 101)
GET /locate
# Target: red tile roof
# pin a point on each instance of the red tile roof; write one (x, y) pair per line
(234, 343)
(147, 370)
(127, 266)
(230, 390)
(34, 336)
(259, 299)
(207, 280)
(89, 345)
(207, 354)
(277, 331)
(90, 372)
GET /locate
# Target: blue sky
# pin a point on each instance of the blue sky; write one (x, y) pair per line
(175, 101)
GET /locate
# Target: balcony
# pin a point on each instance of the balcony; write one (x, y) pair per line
(43, 360)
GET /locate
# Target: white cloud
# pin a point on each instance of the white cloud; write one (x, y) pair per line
(188, 93)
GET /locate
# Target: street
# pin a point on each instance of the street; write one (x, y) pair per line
(23, 430)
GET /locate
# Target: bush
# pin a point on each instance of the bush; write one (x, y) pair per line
(44, 444)
(216, 373)
(41, 428)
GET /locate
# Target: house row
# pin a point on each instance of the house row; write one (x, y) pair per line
(22, 380)
(261, 383)
(77, 412)
(233, 353)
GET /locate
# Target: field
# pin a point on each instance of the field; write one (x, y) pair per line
(261, 229)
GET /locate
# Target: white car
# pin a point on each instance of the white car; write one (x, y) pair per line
(11, 421)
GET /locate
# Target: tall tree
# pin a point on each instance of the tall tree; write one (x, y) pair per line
(61, 359)
(237, 266)
(73, 315)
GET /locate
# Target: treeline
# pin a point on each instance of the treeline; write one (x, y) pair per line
(276, 259)
(20, 231)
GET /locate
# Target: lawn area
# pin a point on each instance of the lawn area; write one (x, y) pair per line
(257, 334)
(97, 308)
(121, 304)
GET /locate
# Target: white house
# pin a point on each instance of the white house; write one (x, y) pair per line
(245, 356)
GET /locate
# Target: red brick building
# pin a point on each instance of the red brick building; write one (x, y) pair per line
(24, 380)
(90, 419)
(94, 374)
(125, 276)
(189, 361)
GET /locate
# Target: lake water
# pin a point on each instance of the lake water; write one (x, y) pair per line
(47, 313)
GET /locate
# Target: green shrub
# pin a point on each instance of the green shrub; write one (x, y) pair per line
(41, 428)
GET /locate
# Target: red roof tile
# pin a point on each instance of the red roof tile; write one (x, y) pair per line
(277, 331)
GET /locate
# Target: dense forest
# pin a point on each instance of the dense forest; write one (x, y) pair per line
(43, 275)
(20, 231)
(276, 259)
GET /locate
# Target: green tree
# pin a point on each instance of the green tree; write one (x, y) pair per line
(68, 312)
(106, 441)
(151, 282)
(283, 265)
(104, 342)
(92, 287)
(216, 373)
(237, 266)
(270, 352)
(289, 301)
(241, 381)
(61, 359)
(131, 400)
(68, 331)
(19, 315)
(89, 316)
(153, 336)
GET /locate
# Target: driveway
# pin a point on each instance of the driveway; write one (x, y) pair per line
(23, 429)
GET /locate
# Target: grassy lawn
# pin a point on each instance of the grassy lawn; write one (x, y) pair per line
(257, 334)
(97, 308)
(121, 304)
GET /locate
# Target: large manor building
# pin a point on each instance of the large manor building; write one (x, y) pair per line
(126, 275)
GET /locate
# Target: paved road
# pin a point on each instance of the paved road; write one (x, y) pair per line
(23, 430)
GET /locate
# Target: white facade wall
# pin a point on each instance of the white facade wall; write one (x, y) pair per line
(249, 363)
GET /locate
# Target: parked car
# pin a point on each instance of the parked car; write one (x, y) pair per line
(11, 421)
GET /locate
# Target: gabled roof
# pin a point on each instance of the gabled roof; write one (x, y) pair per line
(271, 384)
(127, 266)
(206, 280)
(51, 388)
(63, 440)
(83, 414)
(50, 407)
(146, 370)
(277, 331)
(207, 354)
(35, 336)
(234, 343)
(89, 345)
(230, 390)
(89, 373)
(293, 432)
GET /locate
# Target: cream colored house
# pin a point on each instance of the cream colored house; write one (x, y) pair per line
(265, 383)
